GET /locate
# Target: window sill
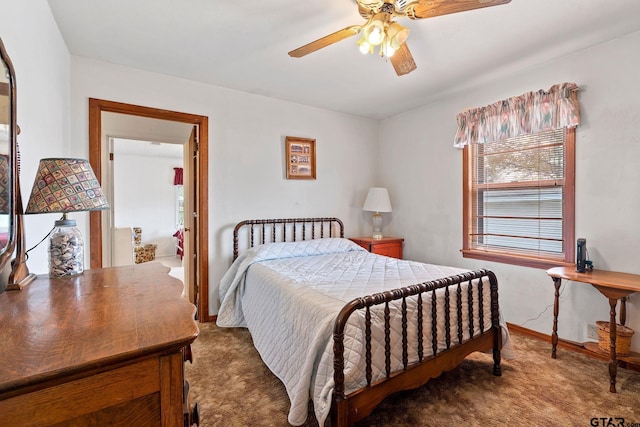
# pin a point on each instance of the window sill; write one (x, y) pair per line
(521, 260)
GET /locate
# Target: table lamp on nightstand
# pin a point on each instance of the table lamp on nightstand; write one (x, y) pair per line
(377, 201)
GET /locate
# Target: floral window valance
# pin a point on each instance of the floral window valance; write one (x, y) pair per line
(529, 113)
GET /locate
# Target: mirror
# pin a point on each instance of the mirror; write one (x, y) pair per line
(8, 184)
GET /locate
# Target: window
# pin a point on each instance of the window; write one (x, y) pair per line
(179, 191)
(519, 199)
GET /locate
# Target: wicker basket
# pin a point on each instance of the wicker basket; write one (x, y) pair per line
(623, 338)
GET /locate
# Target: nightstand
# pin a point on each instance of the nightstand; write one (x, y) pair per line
(388, 246)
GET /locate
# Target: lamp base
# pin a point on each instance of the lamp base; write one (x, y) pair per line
(66, 250)
(377, 226)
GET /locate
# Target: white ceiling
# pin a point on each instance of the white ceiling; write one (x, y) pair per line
(243, 45)
(147, 149)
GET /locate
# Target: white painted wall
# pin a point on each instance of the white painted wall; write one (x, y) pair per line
(424, 174)
(144, 196)
(42, 65)
(246, 150)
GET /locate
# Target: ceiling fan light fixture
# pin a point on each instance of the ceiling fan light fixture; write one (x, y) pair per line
(389, 51)
(381, 30)
(374, 32)
(396, 35)
(364, 46)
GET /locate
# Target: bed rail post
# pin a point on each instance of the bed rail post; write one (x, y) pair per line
(340, 408)
(495, 323)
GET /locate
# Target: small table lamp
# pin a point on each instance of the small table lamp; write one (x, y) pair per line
(65, 185)
(377, 201)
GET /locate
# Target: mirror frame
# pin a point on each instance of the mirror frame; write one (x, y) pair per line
(7, 251)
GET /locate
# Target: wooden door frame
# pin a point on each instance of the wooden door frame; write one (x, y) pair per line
(96, 108)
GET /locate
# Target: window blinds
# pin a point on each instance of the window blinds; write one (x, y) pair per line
(518, 191)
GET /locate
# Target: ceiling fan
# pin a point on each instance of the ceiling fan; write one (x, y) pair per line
(380, 30)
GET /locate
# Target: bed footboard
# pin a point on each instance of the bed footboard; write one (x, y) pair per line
(460, 339)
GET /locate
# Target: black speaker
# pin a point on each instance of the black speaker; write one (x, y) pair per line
(581, 256)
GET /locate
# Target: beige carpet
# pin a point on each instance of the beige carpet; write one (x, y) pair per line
(234, 388)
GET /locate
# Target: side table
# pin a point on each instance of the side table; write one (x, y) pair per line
(614, 286)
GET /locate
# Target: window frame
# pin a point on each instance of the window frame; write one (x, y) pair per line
(568, 216)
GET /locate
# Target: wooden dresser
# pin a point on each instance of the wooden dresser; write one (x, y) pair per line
(388, 246)
(103, 348)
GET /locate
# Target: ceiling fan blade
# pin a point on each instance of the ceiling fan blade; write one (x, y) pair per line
(402, 60)
(326, 41)
(430, 8)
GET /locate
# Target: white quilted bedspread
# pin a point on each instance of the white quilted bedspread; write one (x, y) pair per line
(289, 294)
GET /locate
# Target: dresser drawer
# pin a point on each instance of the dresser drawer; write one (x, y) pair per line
(105, 397)
(393, 250)
(387, 246)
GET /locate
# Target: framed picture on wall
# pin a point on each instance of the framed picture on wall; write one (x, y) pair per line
(300, 157)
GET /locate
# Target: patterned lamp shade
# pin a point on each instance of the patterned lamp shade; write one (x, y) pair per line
(65, 185)
(5, 184)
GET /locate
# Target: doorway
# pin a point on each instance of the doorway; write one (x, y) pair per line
(145, 188)
(197, 251)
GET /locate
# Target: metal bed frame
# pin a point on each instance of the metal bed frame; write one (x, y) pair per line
(349, 408)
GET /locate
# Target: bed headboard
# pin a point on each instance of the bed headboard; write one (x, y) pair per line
(259, 231)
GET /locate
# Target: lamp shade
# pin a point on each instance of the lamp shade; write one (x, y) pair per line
(65, 185)
(377, 200)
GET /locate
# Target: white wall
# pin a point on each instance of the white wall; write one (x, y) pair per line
(246, 150)
(424, 173)
(144, 196)
(42, 65)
